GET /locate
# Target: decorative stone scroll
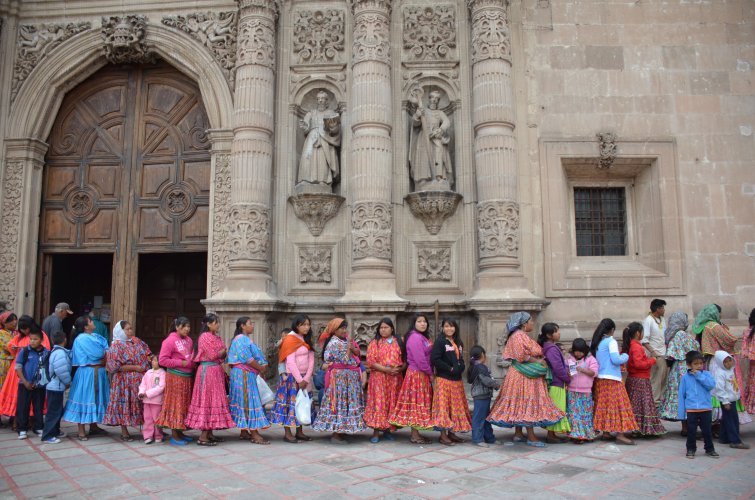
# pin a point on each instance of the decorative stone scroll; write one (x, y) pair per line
(11, 222)
(607, 149)
(123, 40)
(434, 264)
(498, 228)
(433, 207)
(221, 208)
(315, 264)
(316, 209)
(429, 32)
(249, 232)
(371, 230)
(319, 36)
(35, 42)
(256, 42)
(491, 38)
(216, 31)
(372, 39)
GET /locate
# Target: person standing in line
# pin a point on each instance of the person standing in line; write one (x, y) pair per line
(385, 359)
(60, 379)
(151, 391)
(654, 326)
(695, 404)
(748, 352)
(638, 382)
(678, 344)
(727, 393)
(549, 336)
(31, 391)
(450, 406)
(8, 322)
(579, 404)
(483, 385)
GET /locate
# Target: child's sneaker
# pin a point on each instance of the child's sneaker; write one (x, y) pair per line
(712, 454)
(52, 440)
(690, 454)
(22, 435)
(149, 441)
(39, 433)
(61, 435)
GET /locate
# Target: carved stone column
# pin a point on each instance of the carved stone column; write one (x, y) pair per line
(370, 173)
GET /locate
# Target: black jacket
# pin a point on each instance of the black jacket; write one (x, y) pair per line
(444, 360)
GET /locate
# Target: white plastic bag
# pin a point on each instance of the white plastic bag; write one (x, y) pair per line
(266, 394)
(303, 408)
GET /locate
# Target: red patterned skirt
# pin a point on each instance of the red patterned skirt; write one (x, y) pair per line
(450, 407)
(382, 396)
(613, 411)
(524, 402)
(640, 394)
(414, 405)
(209, 407)
(176, 401)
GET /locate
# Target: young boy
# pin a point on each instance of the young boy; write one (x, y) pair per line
(695, 403)
(60, 379)
(29, 393)
(483, 385)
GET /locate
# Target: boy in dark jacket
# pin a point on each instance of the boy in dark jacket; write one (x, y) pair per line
(30, 394)
(695, 403)
(482, 393)
(60, 379)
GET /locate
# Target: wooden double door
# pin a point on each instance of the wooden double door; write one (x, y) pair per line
(128, 174)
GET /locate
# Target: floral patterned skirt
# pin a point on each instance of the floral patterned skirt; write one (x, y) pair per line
(209, 402)
(524, 402)
(613, 411)
(342, 408)
(450, 407)
(749, 391)
(558, 396)
(176, 401)
(579, 409)
(284, 406)
(415, 401)
(124, 407)
(640, 394)
(669, 406)
(382, 396)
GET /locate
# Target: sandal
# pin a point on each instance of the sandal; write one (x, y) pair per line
(518, 439)
(126, 438)
(446, 442)
(82, 438)
(97, 431)
(302, 437)
(216, 439)
(205, 443)
(245, 437)
(627, 442)
(261, 442)
(536, 444)
(292, 441)
(455, 438)
(420, 441)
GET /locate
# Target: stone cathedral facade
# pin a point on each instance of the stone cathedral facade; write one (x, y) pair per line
(573, 158)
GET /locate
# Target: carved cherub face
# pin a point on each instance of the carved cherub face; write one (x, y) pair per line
(322, 101)
(433, 99)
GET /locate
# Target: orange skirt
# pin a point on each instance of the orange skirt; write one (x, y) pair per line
(524, 402)
(176, 401)
(382, 396)
(613, 410)
(414, 406)
(450, 407)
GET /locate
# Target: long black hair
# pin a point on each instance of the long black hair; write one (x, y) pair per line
(415, 317)
(604, 328)
(13, 317)
(457, 335)
(239, 323)
(179, 321)
(79, 326)
(388, 321)
(26, 322)
(580, 345)
(475, 353)
(299, 320)
(546, 331)
(751, 320)
(208, 318)
(344, 324)
(628, 334)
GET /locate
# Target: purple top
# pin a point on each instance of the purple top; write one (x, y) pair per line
(557, 364)
(418, 353)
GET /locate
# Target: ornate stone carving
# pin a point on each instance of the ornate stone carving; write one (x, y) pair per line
(433, 207)
(221, 209)
(429, 157)
(371, 38)
(316, 209)
(607, 149)
(315, 264)
(450, 76)
(123, 40)
(319, 164)
(177, 202)
(491, 38)
(498, 228)
(434, 264)
(256, 42)
(11, 222)
(80, 205)
(249, 233)
(371, 224)
(35, 42)
(261, 6)
(298, 80)
(216, 31)
(430, 31)
(319, 36)
(364, 332)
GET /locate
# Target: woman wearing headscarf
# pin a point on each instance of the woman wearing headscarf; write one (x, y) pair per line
(8, 322)
(127, 361)
(342, 408)
(712, 334)
(524, 400)
(678, 344)
(90, 389)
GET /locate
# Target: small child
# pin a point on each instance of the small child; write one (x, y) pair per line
(151, 393)
(549, 335)
(30, 393)
(727, 393)
(60, 379)
(639, 389)
(695, 403)
(583, 368)
(482, 393)
(283, 333)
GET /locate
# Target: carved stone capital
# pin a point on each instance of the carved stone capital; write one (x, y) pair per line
(607, 149)
(371, 225)
(491, 36)
(11, 221)
(249, 232)
(372, 38)
(380, 6)
(433, 207)
(319, 36)
(123, 39)
(498, 228)
(429, 32)
(316, 209)
(474, 5)
(260, 7)
(256, 42)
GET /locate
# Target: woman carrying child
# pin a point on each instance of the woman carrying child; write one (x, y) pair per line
(639, 389)
(579, 405)
(450, 407)
(385, 360)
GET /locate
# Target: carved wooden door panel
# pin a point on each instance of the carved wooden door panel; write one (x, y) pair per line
(128, 171)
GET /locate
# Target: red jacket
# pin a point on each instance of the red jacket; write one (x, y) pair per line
(640, 363)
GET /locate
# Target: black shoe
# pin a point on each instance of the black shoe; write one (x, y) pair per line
(690, 454)
(712, 454)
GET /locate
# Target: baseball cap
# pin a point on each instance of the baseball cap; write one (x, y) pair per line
(63, 306)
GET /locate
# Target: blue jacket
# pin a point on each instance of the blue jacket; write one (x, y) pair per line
(29, 363)
(609, 359)
(694, 392)
(60, 369)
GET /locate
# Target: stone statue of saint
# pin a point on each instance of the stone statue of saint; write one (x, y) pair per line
(319, 165)
(429, 158)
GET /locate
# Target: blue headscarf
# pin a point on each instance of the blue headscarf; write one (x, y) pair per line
(516, 320)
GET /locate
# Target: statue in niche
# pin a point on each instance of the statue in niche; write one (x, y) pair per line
(318, 165)
(429, 158)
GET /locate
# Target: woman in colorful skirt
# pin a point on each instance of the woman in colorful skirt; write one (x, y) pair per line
(415, 400)
(90, 387)
(208, 410)
(523, 400)
(450, 406)
(613, 410)
(639, 389)
(549, 335)
(8, 322)
(678, 344)
(176, 357)
(127, 360)
(748, 352)
(385, 360)
(297, 353)
(247, 363)
(579, 404)
(342, 408)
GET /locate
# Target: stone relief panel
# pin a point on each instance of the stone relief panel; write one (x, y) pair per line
(434, 264)
(491, 38)
(256, 42)
(249, 232)
(123, 40)
(35, 42)
(319, 36)
(11, 221)
(221, 208)
(372, 37)
(498, 228)
(216, 31)
(429, 32)
(315, 264)
(371, 224)
(607, 149)
(363, 332)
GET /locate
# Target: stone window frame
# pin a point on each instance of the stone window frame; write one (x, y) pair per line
(629, 208)
(654, 262)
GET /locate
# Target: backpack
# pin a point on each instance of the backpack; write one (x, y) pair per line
(42, 376)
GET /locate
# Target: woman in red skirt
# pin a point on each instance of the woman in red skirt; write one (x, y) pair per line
(385, 360)
(638, 386)
(414, 406)
(176, 356)
(450, 407)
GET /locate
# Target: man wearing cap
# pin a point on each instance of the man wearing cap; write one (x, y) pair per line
(54, 322)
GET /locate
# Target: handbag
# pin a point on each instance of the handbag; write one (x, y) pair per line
(303, 408)
(266, 394)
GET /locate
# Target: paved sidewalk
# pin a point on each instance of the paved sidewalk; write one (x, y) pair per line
(105, 467)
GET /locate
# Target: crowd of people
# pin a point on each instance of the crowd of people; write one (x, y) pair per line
(621, 389)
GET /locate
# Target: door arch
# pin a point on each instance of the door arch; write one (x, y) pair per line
(127, 172)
